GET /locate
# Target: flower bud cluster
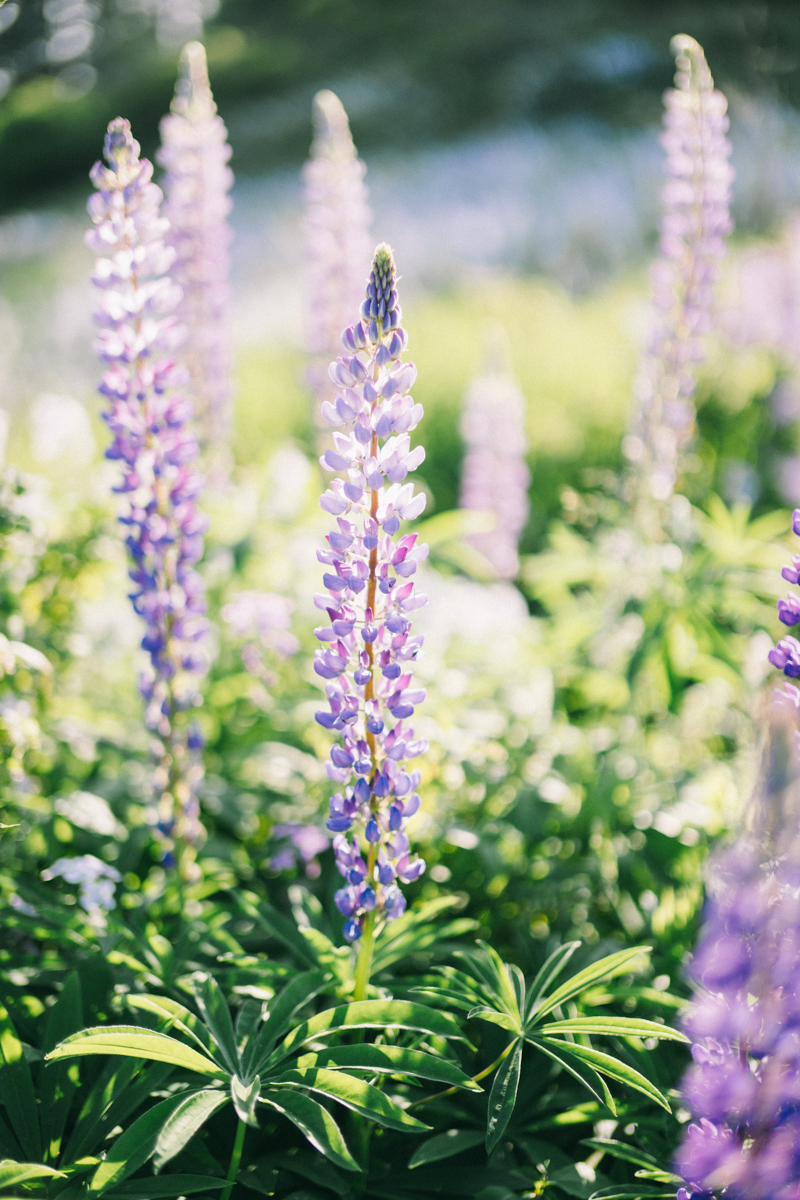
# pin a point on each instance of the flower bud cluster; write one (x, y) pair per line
(195, 152)
(694, 226)
(337, 219)
(150, 420)
(368, 650)
(786, 654)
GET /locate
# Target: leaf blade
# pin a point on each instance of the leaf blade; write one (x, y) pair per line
(391, 1060)
(356, 1094)
(606, 1064)
(503, 1095)
(132, 1041)
(315, 1123)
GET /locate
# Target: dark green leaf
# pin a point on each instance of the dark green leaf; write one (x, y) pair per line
(297, 993)
(279, 926)
(165, 1186)
(365, 1014)
(606, 1064)
(391, 1060)
(604, 968)
(484, 1013)
(133, 1042)
(56, 1089)
(552, 968)
(503, 1095)
(445, 1145)
(16, 1090)
(183, 1123)
(133, 1147)
(622, 1191)
(217, 1016)
(129, 1085)
(315, 1123)
(621, 1150)
(12, 1173)
(355, 1094)
(589, 1078)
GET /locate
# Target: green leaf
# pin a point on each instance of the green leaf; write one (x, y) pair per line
(621, 1150)
(244, 1097)
(297, 993)
(445, 1145)
(335, 961)
(178, 1016)
(605, 1064)
(365, 1014)
(390, 1060)
(315, 1123)
(121, 1089)
(56, 1089)
(621, 1191)
(355, 1094)
(604, 968)
(182, 1124)
(659, 1176)
(217, 1016)
(133, 1147)
(620, 1026)
(12, 1173)
(16, 1090)
(133, 1042)
(594, 1083)
(165, 1186)
(503, 1095)
(484, 1013)
(279, 926)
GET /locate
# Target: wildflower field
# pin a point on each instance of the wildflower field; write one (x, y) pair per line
(398, 564)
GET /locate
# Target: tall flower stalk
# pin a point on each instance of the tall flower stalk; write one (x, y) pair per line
(195, 153)
(694, 226)
(337, 219)
(150, 421)
(368, 650)
(495, 475)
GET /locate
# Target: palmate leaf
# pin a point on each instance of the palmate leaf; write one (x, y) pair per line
(133, 1042)
(503, 1095)
(390, 1060)
(297, 993)
(217, 1016)
(484, 1013)
(606, 1064)
(585, 1075)
(183, 1123)
(619, 1026)
(136, 1145)
(179, 1017)
(604, 968)
(16, 1090)
(314, 1122)
(445, 1145)
(355, 1094)
(363, 1014)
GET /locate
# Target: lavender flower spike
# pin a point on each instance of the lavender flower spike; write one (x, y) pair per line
(744, 1086)
(368, 652)
(337, 218)
(195, 152)
(150, 421)
(495, 476)
(695, 223)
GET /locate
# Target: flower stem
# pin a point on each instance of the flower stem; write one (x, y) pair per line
(475, 1079)
(364, 961)
(236, 1158)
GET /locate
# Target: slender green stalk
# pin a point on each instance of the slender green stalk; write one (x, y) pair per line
(475, 1079)
(236, 1158)
(364, 961)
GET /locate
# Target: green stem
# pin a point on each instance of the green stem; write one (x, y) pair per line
(475, 1079)
(236, 1158)
(364, 961)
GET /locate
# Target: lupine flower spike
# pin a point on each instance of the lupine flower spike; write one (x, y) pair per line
(368, 650)
(150, 420)
(695, 223)
(337, 219)
(195, 152)
(786, 654)
(495, 475)
(744, 1086)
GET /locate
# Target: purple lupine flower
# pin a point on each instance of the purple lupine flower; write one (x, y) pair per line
(785, 655)
(368, 651)
(744, 1085)
(337, 219)
(495, 477)
(195, 152)
(305, 842)
(150, 420)
(694, 226)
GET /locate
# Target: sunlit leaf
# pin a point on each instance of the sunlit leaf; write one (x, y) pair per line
(315, 1123)
(364, 1014)
(355, 1094)
(606, 1064)
(445, 1145)
(390, 1060)
(604, 968)
(619, 1026)
(133, 1042)
(182, 1124)
(503, 1096)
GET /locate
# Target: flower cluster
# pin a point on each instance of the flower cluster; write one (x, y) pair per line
(195, 152)
(96, 880)
(786, 654)
(744, 1085)
(337, 229)
(495, 475)
(695, 223)
(149, 418)
(368, 650)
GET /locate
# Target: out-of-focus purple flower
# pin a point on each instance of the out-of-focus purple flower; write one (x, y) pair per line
(694, 226)
(368, 652)
(195, 152)
(785, 655)
(337, 218)
(495, 477)
(767, 310)
(95, 877)
(744, 1084)
(150, 420)
(263, 621)
(305, 842)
